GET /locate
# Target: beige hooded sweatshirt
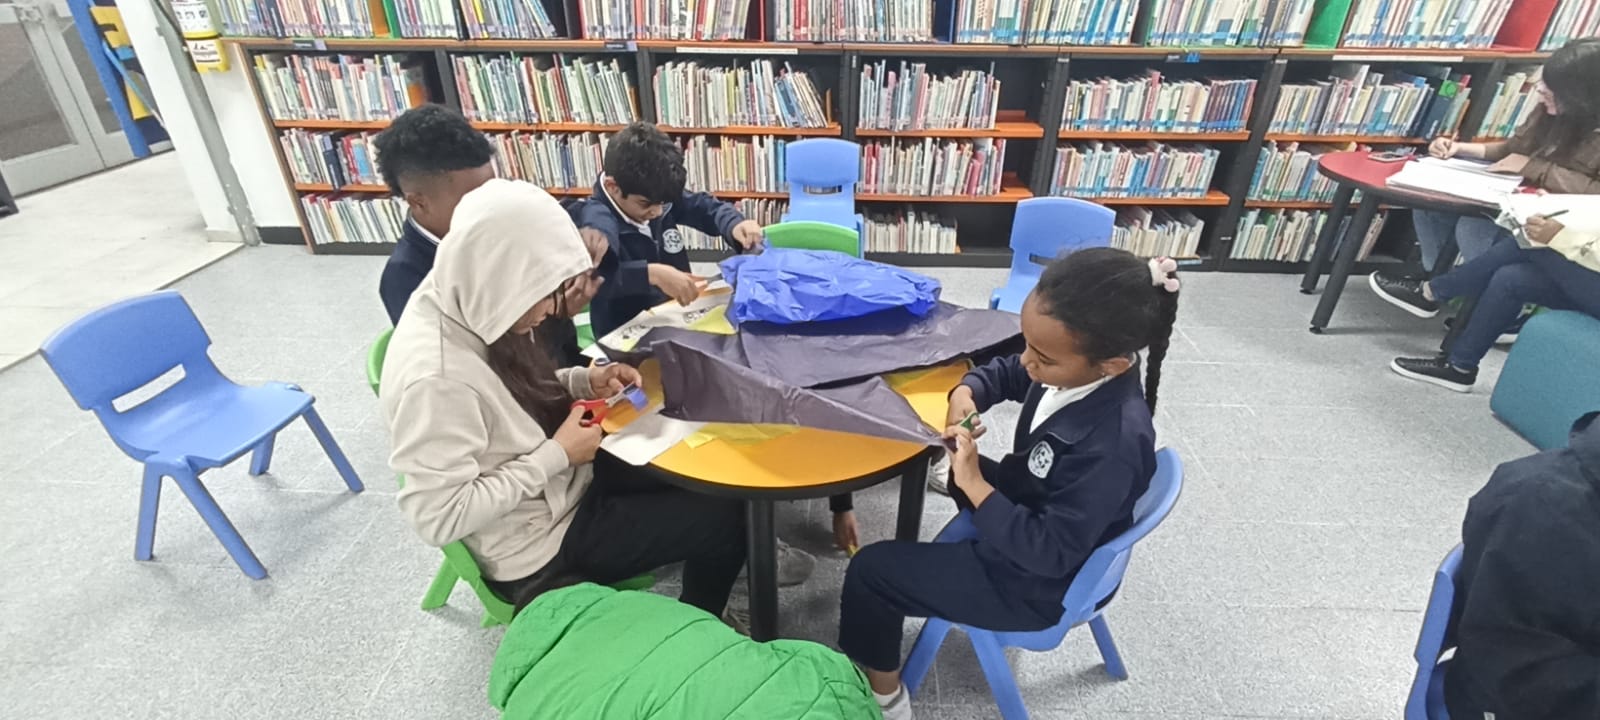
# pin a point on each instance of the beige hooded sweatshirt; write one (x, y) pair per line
(477, 467)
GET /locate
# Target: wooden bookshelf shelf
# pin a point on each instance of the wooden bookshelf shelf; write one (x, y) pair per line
(326, 188)
(1011, 190)
(1211, 198)
(1403, 54)
(547, 127)
(1002, 129)
(1144, 52)
(332, 124)
(1366, 139)
(1239, 136)
(953, 49)
(832, 130)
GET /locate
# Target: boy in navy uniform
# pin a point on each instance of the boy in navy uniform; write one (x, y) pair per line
(636, 208)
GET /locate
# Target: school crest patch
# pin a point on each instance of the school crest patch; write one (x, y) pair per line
(671, 241)
(1040, 459)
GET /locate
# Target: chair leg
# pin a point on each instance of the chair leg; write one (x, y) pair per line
(923, 653)
(149, 501)
(219, 523)
(444, 582)
(1108, 647)
(332, 449)
(262, 459)
(1002, 684)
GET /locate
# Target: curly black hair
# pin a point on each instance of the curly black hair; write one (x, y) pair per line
(642, 160)
(1107, 298)
(427, 140)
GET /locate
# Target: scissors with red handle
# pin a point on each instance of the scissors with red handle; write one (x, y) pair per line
(595, 410)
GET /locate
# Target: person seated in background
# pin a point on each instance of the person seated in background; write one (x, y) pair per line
(637, 208)
(431, 156)
(485, 433)
(1561, 271)
(1557, 150)
(1526, 621)
(1083, 455)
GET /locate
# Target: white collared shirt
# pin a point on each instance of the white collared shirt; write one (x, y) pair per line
(422, 230)
(642, 227)
(1055, 398)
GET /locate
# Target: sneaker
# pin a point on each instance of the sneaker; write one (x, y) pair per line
(896, 706)
(794, 565)
(939, 476)
(1505, 338)
(737, 619)
(1403, 293)
(1435, 371)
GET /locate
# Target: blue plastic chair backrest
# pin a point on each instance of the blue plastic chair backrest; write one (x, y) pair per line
(126, 345)
(1047, 228)
(1434, 638)
(1103, 571)
(822, 163)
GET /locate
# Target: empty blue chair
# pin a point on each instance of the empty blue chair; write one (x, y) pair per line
(1096, 580)
(822, 175)
(202, 421)
(1427, 690)
(1043, 230)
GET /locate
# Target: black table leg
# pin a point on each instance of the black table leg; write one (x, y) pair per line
(763, 571)
(913, 489)
(1344, 262)
(1327, 238)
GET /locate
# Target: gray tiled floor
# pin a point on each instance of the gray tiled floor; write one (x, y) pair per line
(1288, 583)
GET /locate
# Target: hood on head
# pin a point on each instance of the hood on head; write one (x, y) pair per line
(510, 245)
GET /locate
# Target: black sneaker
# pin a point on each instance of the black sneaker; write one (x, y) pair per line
(1436, 371)
(1403, 293)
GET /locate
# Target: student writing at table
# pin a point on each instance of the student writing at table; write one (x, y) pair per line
(1557, 149)
(494, 452)
(1083, 454)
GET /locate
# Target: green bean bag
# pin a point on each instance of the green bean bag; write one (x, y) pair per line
(593, 652)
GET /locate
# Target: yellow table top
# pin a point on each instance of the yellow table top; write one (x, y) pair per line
(804, 457)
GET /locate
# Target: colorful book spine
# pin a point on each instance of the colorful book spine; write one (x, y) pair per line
(1154, 103)
(1282, 235)
(353, 219)
(1153, 170)
(911, 98)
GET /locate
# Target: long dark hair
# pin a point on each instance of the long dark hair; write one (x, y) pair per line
(1573, 76)
(1108, 300)
(528, 370)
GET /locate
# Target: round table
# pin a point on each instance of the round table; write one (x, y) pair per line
(1354, 171)
(802, 463)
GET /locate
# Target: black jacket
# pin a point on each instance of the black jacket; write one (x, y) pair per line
(1527, 608)
(412, 260)
(1066, 488)
(627, 290)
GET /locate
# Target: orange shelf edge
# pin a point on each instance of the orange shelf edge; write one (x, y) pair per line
(1237, 136)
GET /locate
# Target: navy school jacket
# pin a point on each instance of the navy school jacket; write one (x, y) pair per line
(1064, 489)
(1526, 618)
(627, 290)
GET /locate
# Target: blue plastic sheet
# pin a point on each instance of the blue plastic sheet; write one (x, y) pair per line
(788, 287)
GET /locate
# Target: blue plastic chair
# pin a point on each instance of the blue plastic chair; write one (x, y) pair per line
(822, 175)
(1094, 584)
(203, 421)
(1043, 230)
(1427, 690)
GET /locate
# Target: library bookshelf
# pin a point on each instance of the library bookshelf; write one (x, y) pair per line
(1031, 117)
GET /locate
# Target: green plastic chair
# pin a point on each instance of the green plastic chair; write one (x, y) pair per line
(459, 565)
(585, 329)
(813, 235)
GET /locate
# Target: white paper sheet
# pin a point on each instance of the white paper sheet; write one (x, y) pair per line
(646, 438)
(668, 314)
(1478, 187)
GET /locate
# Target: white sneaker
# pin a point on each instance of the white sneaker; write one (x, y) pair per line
(939, 476)
(737, 619)
(896, 706)
(794, 565)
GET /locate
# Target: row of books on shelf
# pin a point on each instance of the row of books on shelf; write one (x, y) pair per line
(1425, 23)
(909, 231)
(1153, 170)
(764, 211)
(1154, 103)
(1045, 22)
(544, 89)
(1572, 19)
(1288, 172)
(694, 94)
(352, 218)
(1228, 22)
(330, 158)
(725, 163)
(1355, 100)
(911, 98)
(1290, 235)
(1514, 102)
(665, 19)
(549, 160)
(300, 18)
(933, 167)
(337, 87)
(1150, 232)
(853, 20)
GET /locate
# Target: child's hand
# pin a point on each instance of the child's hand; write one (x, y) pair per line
(595, 242)
(677, 284)
(1540, 229)
(581, 291)
(608, 380)
(580, 441)
(748, 234)
(845, 532)
(965, 471)
(962, 406)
